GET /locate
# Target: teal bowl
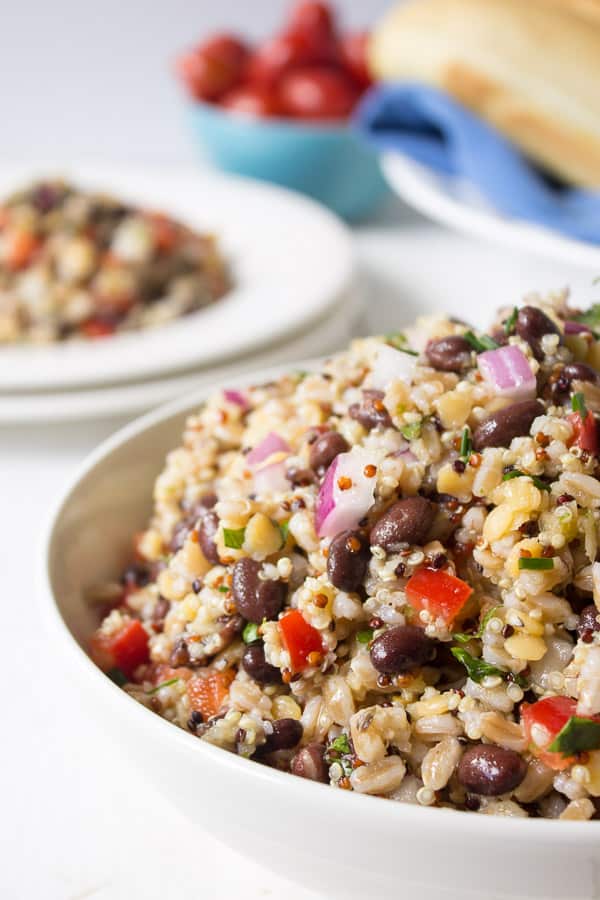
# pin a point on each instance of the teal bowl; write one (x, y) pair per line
(327, 162)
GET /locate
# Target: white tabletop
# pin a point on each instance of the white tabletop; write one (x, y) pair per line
(78, 820)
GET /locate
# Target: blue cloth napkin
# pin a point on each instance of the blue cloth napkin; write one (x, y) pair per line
(431, 128)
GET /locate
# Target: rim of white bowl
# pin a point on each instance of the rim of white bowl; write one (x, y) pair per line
(492, 826)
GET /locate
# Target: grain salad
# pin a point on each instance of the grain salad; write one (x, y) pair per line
(75, 264)
(383, 575)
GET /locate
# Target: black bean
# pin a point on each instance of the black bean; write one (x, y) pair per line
(231, 627)
(207, 530)
(256, 666)
(300, 477)
(179, 654)
(501, 427)
(160, 610)
(325, 449)
(287, 733)
(490, 770)
(255, 598)
(531, 325)
(401, 648)
(310, 763)
(406, 522)
(136, 576)
(195, 719)
(588, 622)
(347, 560)
(371, 412)
(449, 354)
(561, 388)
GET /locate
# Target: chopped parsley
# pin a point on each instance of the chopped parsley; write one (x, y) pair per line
(340, 744)
(576, 736)
(464, 638)
(118, 676)
(536, 563)
(511, 321)
(466, 445)
(223, 588)
(412, 430)
(284, 528)
(477, 669)
(163, 684)
(250, 633)
(479, 344)
(365, 636)
(399, 342)
(591, 316)
(234, 538)
(516, 473)
(578, 405)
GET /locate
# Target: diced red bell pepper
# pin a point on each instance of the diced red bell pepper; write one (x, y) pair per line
(441, 594)
(299, 639)
(585, 432)
(551, 714)
(207, 692)
(21, 247)
(97, 328)
(126, 649)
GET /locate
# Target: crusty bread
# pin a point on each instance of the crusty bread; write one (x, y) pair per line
(531, 68)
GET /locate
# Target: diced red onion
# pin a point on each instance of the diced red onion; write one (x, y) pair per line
(273, 443)
(577, 328)
(390, 365)
(338, 509)
(508, 372)
(237, 398)
(271, 479)
(406, 456)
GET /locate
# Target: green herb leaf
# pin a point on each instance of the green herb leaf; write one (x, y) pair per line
(591, 316)
(250, 633)
(536, 563)
(477, 669)
(400, 342)
(223, 588)
(162, 685)
(234, 538)
(466, 445)
(578, 405)
(479, 344)
(411, 431)
(516, 473)
(463, 638)
(365, 636)
(340, 744)
(118, 676)
(577, 735)
(284, 528)
(511, 321)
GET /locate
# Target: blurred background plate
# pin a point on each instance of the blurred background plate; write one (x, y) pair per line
(454, 202)
(125, 400)
(291, 263)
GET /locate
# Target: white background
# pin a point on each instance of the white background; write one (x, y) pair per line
(95, 78)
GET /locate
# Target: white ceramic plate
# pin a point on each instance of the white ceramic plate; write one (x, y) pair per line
(456, 203)
(291, 260)
(128, 399)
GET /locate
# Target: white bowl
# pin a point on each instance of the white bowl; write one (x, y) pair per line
(341, 844)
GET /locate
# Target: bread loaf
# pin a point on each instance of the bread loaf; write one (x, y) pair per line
(530, 68)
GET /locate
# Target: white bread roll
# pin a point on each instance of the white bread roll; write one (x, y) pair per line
(531, 68)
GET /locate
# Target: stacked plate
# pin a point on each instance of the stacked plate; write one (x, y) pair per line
(294, 296)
